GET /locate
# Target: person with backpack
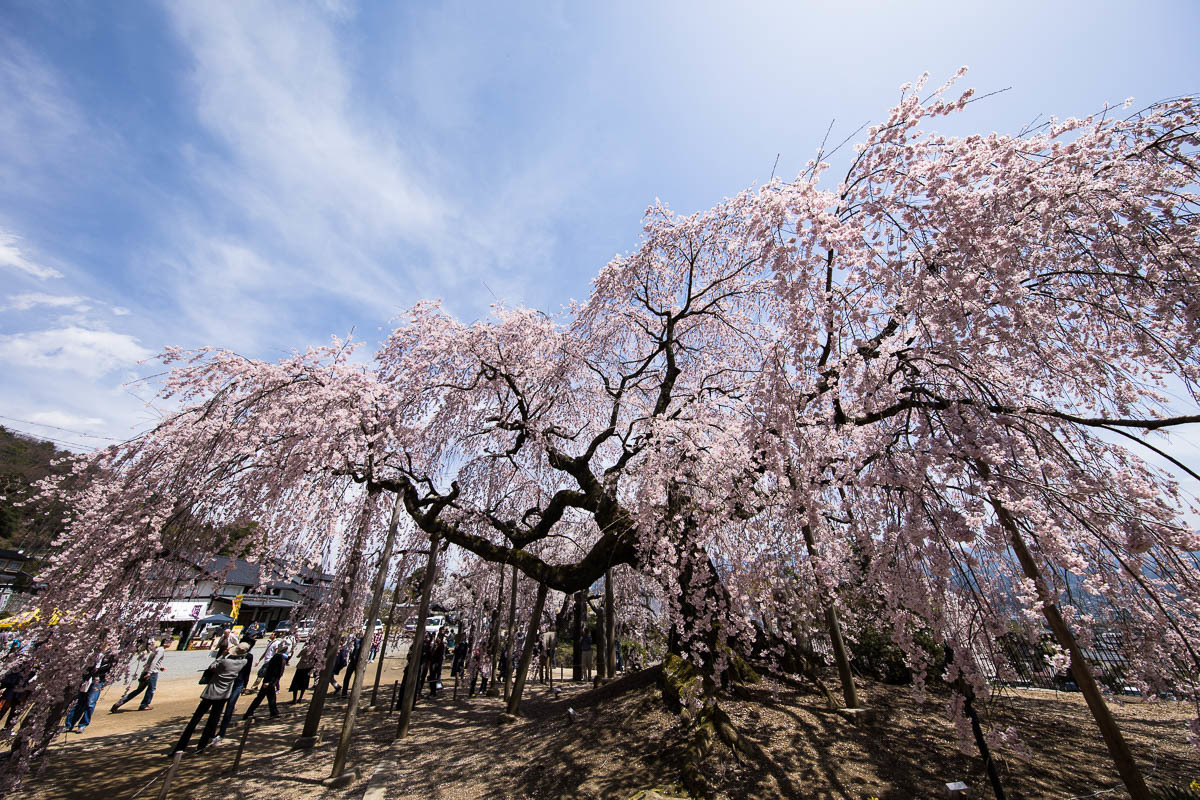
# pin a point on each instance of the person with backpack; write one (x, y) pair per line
(218, 681)
(239, 686)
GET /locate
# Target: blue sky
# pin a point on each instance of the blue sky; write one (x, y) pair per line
(261, 176)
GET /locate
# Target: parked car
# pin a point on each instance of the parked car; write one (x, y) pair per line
(432, 625)
(304, 629)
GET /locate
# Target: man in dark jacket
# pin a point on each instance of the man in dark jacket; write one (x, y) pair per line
(239, 685)
(352, 663)
(270, 684)
(222, 672)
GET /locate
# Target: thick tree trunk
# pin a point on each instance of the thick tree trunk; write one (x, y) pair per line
(512, 635)
(312, 720)
(610, 622)
(535, 619)
(412, 673)
(360, 669)
(1131, 774)
(840, 656)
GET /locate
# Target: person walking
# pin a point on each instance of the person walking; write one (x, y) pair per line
(376, 640)
(89, 691)
(239, 686)
(339, 664)
(252, 633)
(585, 645)
(221, 674)
(225, 644)
(352, 662)
(423, 665)
(270, 686)
(458, 664)
(151, 664)
(273, 645)
(301, 676)
(437, 655)
(15, 687)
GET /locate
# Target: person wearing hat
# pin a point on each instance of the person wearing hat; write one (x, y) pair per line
(221, 674)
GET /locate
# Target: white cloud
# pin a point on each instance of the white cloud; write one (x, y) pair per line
(93, 353)
(121, 311)
(62, 419)
(28, 300)
(11, 256)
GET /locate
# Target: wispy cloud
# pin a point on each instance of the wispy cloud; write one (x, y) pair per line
(29, 300)
(33, 101)
(12, 256)
(62, 419)
(91, 353)
(334, 190)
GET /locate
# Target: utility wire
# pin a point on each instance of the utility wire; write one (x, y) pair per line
(57, 428)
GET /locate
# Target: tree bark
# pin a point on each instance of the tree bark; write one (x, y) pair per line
(412, 673)
(535, 619)
(312, 720)
(360, 669)
(1131, 774)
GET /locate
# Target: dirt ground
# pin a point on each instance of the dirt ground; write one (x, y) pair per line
(121, 753)
(623, 744)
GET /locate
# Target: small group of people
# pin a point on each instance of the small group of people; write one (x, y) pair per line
(227, 678)
(433, 656)
(347, 659)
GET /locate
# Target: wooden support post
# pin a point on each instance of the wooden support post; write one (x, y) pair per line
(578, 621)
(512, 635)
(610, 622)
(237, 758)
(166, 787)
(514, 699)
(1127, 768)
(383, 646)
(494, 639)
(339, 757)
(412, 673)
(316, 707)
(840, 655)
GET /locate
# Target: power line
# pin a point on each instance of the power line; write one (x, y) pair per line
(57, 428)
(41, 438)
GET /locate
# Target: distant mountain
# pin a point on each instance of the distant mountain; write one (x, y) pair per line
(23, 462)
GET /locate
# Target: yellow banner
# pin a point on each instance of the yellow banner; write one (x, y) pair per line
(237, 606)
